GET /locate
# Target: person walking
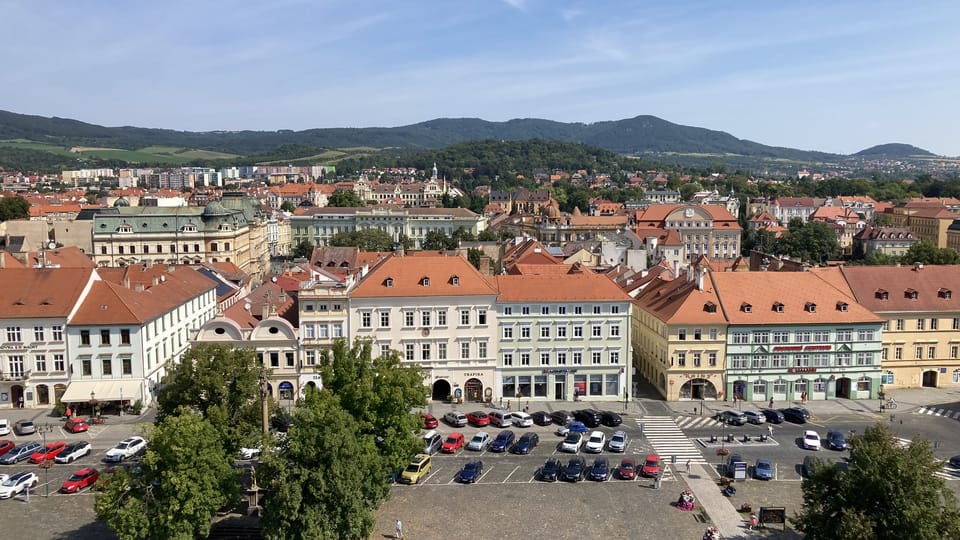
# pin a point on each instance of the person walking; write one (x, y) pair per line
(656, 481)
(771, 403)
(770, 430)
(399, 529)
(687, 466)
(21, 402)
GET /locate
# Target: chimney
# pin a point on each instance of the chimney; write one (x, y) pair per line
(918, 266)
(148, 263)
(156, 281)
(700, 276)
(126, 282)
(264, 310)
(138, 287)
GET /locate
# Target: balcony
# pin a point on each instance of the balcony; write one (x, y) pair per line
(14, 376)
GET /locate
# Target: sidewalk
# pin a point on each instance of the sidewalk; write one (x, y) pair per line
(633, 408)
(45, 415)
(710, 498)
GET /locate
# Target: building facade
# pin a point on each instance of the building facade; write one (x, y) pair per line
(318, 225)
(708, 230)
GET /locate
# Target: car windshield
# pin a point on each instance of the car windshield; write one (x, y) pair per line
(572, 438)
(651, 463)
(763, 465)
(75, 477)
(413, 467)
(617, 438)
(627, 466)
(477, 438)
(470, 467)
(596, 438)
(452, 440)
(10, 482)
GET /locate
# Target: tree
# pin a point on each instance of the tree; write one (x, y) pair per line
(303, 250)
(438, 241)
(345, 198)
(926, 252)
(221, 383)
(14, 208)
(885, 492)
(365, 239)
(487, 235)
(475, 256)
(813, 241)
(185, 478)
(288, 206)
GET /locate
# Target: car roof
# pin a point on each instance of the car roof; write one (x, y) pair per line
(596, 434)
(651, 457)
(85, 470)
(629, 460)
(620, 432)
(810, 432)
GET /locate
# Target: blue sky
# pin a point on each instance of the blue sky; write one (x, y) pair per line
(831, 76)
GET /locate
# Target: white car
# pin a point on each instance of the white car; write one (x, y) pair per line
(249, 453)
(811, 440)
(572, 443)
(4, 426)
(618, 442)
(755, 417)
(522, 419)
(596, 442)
(480, 441)
(17, 483)
(125, 449)
(73, 452)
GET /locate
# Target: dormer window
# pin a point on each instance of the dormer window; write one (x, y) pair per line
(425, 281)
(455, 280)
(746, 308)
(842, 306)
(189, 228)
(944, 293)
(778, 307)
(810, 307)
(124, 229)
(388, 283)
(710, 307)
(912, 294)
(882, 295)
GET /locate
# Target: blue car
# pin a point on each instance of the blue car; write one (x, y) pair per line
(763, 470)
(471, 472)
(572, 427)
(503, 441)
(526, 443)
(600, 470)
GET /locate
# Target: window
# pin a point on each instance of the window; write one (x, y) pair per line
(682, 334)
(13, 333)
(524, 332)
(898, 353)
(713, 333)
(899, 324)
(614, 330)
(57, 333)
(408, 318)
(507, 360)
(464, 317)
(884, 354)
(384, 319)
(312, 355)
(821, 336)
(844, 335)
(595, 358)
(954, 350)
(441, 351)
(408, 351)
(482, 349)
(614, 357)
(425, 351)
(596, 310)
(38, 334)
(801, 360)
(84, 336)
(577, 358)
(696, 359)
(781, 337)
(561, 358)
(544, 310)
(596, 331)
(288, 356)
(58, 363)
(759, 388)
(919, 352)
(507, 332)
(803, 337)
(682, 359)
(107, 366)
(614, 309)
(540, 386)
(932, 352)
(524, 359)
(779, 361)
(274, 359)
(741, 338)
(738, 361)
(442, 317)
(464, 350)
(561, 310)
(779, 386)
(956, 323)
(799, 386)
(761, 336)
(424, 318)
(309, 331)
(712, 359)
(365, 321)
(820, 385)
(337, 330)
(86, 366)
(544, 331)
(863, 384)
(481, 316)
(124, 336)
(324, 331)
(509, 386)
(561, 331)
(821, 359)
(525, 310)
(956, 376)
(578, 331)
(508, 310)
(864, 359)
(544, 359)
(578, 310)
(40, 361)
(844, 359)
(921, 324)
(759, 361)
(864, 335)
(934, 323)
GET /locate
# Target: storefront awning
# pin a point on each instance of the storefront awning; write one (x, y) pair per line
(79, 391)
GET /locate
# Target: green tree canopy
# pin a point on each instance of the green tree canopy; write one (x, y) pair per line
(886, 492)
(303, 250)
(812, 242)
(345, 198)
(925, 251)
(487, 235)
(438, 241)
(14, 208)
(288, 206)
(365, 239)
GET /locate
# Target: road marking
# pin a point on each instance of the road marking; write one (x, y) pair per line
(505, 480)
(668, 440)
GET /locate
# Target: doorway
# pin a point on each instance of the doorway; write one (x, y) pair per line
(441, 390)
(560, 390)
(474, 389)
(16, 394)
(843, 388)
(930, 379)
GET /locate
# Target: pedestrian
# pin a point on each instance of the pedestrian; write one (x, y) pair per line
(69, 412)
(687, 466)
(770, 430)
(771, 403)
(656, 481)
(21, 402)
(399, 529)
(753, 522)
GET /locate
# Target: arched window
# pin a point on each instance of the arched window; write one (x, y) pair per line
(956, 376)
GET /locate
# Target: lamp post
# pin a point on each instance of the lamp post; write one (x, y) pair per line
(45, 464)
(93, 404)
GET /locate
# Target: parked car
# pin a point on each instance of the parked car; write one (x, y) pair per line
(17, 483)
(432, 441)
(471, 472)
(550, 470)
(600, 471)
(811, 440)
(503, 441)
(4, 426)
(610, 418)
(478, 418)
(809, 464)
(76, 425)
(24, 427)
(589, 417)
(417, 470)
(430, 421)
(73, 452)
(732, 462)
(526, 443)
(763, 470)
(453, 442)
(250, 452)
(627, 469)
(574, 470)
(479, 442)
(572, 427)
(836, 440)
(6, 446)
(773, 416)
(954, 462)
(617, 442)
(501, 419)
(733, 418)
(596, 442)
(522, 419)
(48, 452)
(572, 443)
(755, 417)
(542, 418)
(797, 415)
(20, 452)
(561, 417)
(455, 419)
(651, 466)
(126, 449)
(81, 479)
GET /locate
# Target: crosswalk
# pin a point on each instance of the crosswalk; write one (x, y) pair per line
(694, 422)
(947, 472)
(936, 411)
(666, 438)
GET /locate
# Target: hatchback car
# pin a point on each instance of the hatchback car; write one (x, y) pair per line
(589, 417)
(125, 449)
(471, 472)
(797, 415)
(755, 417)
(627, 469)
(20, 452)
(503, 441)
(773, 416)
(572, 442)
(651, 466)
(526, 443)
(561, 417)
(76, 425)
(811, 440)
(17, 484)
(6, 446)
(73, 452)
(954, 462)
(733, 418)
(575, 470)
(478, 418)
(617, 442)
(763, 470)
(600, 470)
(417, 470)
(836, 441)
(81, 479)
(429, 421)
(455, 419)
(550, 470)
(452, 443)
(610, 418)
(479, 442)
(572, 427)
(541, 418)
(522, 419)
(596, 442)
(48, 452)
(24, 427)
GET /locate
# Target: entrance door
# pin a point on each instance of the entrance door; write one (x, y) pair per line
(696, 391)
(930, 379)
(843, 388)
(560, 390)
(441, 390)
(474, 389)
(16, 394)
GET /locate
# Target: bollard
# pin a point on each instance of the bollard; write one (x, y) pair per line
(641, 429)
(936, 444)
(673, 460)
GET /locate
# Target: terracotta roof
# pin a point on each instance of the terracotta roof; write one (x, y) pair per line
(65, 257)
(937, 287)
(9, 261)
(47, 292)
(404, 277)
(680, 301)
(659, 212)
(278, 302)
(540, 269)
(935, 213)
(559, 288)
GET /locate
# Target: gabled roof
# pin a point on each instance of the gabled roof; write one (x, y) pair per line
(248, 312)
(581, 287)
(679, 301)
(423, 276)
(41, 292)
(65, 257)
(931, 283)
(9, 261)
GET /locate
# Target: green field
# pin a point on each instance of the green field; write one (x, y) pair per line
(166, 155)
(327, 157)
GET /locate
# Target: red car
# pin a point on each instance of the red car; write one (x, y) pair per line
(6, 446)
(478, 418)
(651, 466)
(49, 452)
(453, 442)
(429, 421)
(76, 425)
(627, 469)
(80, 479)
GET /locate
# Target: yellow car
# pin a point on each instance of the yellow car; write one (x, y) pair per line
(416, 470)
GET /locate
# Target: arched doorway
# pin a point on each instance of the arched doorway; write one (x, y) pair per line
(58, 390)
(286, 391)
(740, 390)
(473, 389)
(930, 379)
(43, 394)
(843, 388)
(441, 390)
(16, 394)
(698, 389)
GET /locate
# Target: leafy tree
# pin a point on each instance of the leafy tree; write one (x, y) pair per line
(288, 206)
(883, 220)
(475, 256)
(365, 239)
(926, 252)
(185, 478)
(879, 258)
(462, 234)
(813, 241)
(438, 241)
(886, 492)
(487, 235)
(345, 198)
(221, 383)
(303, 250)
(14, 208)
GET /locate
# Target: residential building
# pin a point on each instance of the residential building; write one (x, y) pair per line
(892, 241)
(708, 230)
(787, 208)
(324, 315)
(318, 225)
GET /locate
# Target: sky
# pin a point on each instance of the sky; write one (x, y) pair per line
(816, 75)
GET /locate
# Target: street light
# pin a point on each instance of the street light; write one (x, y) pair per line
(45, 464)
(93, 404)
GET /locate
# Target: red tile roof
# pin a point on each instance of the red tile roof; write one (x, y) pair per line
(404, 277)
(34, 293)
(937, 287)
(559, 288)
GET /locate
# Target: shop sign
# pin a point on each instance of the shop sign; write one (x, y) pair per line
(548, 371)
(788, 348)
(474, 374)
(818, 347)
(802, 370)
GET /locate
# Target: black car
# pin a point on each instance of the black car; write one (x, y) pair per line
(574, 470)
(550, 470)
(471, 472)
(835, 441)
(561, 417)
(600, 470)
(954, 462)
(526, 443)
(610, 418)
(503, 441)
(281, 423)
(773, 416)
(797, 415)
(809, 464)
(541, 418)
(589, 417)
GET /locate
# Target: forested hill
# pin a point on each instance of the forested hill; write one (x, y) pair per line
(893, 150)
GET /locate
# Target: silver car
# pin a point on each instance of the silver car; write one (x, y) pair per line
(455, 419)
(479, 442)
(617, 442)
(755, 417)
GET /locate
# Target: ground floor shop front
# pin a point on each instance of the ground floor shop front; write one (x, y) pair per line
(803, 384)
(921, 375)
(467, 385)
(29, 394)
(591, 383)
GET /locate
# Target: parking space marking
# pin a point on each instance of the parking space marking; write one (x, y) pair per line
(431, 475)
(515, 469)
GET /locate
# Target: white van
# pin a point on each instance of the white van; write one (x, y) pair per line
(432, 440)
(4, 426)
(501, 419)
(521, 419)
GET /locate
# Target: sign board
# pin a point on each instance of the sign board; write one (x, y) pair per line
(739, 470)
(773, 514)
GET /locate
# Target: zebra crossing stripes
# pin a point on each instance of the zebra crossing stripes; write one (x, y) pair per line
(946, 413)
(666, 438)
(693, 422)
